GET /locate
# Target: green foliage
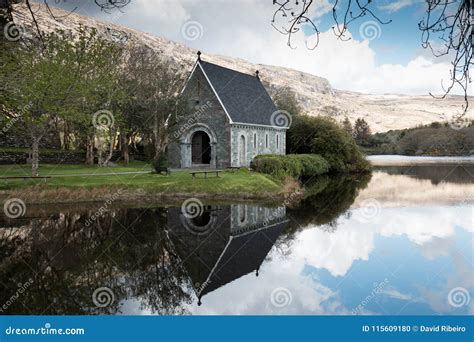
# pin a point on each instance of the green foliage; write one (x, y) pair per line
(322, 136)
(346, 124)
(435, 139)
(361, 132)
(312, 164)
(293, 165)
(285, 99)
(63, 78)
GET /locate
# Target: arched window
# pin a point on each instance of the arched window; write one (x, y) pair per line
(255, 141)
(266, 140)
(242, 151)
(277, 142)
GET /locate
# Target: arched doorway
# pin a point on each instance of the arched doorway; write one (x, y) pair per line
(201, 148)
(242, 151)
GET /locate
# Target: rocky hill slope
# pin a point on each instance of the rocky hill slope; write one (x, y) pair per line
(383, 112)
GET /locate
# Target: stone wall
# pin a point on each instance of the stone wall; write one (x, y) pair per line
(60, 157)
(258, 140)
(208, 116)
(244, 218)
(11, 138)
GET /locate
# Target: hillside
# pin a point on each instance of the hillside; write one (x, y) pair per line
(383, 112)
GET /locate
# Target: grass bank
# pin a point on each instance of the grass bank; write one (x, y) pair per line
(72, 183)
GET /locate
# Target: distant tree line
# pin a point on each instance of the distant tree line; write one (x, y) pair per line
(435, 139)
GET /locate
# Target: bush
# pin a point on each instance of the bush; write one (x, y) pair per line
(313, 164)
(324, 137)
(293, 165)
(160, 164)
(268, 164)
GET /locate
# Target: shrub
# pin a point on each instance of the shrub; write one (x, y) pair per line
(313, 164)
(268, 164)
(324, 137)
(293, 165)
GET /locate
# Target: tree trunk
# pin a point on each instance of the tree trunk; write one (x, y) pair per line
(90, 150)
(66, 140)
(124, 146)
(35, 157)
(106, 161)
(156, 139)
(160, 138)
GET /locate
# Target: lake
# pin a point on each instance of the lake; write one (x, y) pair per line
(397, 242)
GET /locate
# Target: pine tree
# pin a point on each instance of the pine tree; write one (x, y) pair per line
(362, 132)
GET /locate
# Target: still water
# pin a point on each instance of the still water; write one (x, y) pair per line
(398, 242)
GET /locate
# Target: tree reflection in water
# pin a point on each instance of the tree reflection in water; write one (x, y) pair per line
(156, 257)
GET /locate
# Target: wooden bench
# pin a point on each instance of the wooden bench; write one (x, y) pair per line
(6, 179)
(216, 172)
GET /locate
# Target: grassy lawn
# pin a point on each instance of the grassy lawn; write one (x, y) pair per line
(67, 169)
(243, 181)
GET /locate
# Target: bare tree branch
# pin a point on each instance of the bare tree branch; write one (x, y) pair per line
(292, 16)
(447, 31)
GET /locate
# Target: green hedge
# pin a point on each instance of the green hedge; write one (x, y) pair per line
(293, 165)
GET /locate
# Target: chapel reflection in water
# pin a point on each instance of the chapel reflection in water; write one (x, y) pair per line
(224, 243)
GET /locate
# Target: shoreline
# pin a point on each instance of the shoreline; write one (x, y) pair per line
(402, 160)
(127, 196)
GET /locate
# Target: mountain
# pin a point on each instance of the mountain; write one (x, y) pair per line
(317, 97)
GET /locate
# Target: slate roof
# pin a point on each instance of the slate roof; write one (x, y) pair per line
(244, 254)
(243, 95)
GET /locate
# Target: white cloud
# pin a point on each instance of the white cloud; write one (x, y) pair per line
(336, 252)
(243, 29)
(395, 6)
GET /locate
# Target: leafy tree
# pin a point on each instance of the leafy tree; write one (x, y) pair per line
(285, 99)
(347, 125)
(362, 132)
(57, 79)
(34, 80)
(323, 136)
(153, 85)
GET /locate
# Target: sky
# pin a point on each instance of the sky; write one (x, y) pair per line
(379, 58)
